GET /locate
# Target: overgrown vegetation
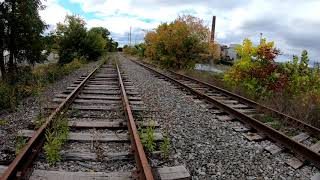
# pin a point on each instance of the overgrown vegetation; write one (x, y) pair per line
(3, 122)
(55, 138)
(292, 87)
(20, 143)
(39, 121)
(174, 45)
(147, 137)
(30, 81)
(165, 145)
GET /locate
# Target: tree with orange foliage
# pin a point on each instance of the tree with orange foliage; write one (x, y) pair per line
(177, 44)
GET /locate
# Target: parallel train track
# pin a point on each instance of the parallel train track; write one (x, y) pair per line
(300, 138)
(103, 91)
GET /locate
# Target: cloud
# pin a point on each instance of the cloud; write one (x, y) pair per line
(53, 13)
(292, 24)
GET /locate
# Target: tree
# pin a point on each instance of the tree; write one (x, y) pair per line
(21, 28)
(215, 51)
(3, 29)
(177, 44)
(101, 30)
(94, 44)
(304, 60)
(75, 41)
(71, 38)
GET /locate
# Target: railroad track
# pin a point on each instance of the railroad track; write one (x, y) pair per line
(260, 122)
(103, 142)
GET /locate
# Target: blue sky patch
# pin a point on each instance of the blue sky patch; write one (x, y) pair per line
(75, 8)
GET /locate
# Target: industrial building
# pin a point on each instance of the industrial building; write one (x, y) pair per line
(228, 53)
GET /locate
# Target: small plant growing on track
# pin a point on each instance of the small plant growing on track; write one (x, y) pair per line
(147, 137)
(39, 121)
(20, 143)
(74, 112)
(165, 146)
(3, 122)
(267, 119)
(55, 138)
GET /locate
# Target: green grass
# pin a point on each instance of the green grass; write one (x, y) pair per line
(55, 138)
(39, 121)
(165, 145)
(31, 81)
(276, 125)
(267, 119)
(20, 143)
(147, 137)
(3, 122)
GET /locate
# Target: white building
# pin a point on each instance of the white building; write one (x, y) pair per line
(229, 53)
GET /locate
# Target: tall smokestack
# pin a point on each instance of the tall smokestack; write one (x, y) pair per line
(213, 28)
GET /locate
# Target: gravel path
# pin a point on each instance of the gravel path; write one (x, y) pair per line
(29, 108)
(209, 148)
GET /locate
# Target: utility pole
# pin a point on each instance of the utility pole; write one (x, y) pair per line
(130, 37)
(261, 38)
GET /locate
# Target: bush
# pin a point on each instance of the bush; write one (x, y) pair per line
(7, 96)
(48, 73)
(292, 87)
(29, 81)
(256, 71)
(138, 49)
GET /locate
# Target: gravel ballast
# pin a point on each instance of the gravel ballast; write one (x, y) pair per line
(29, 108)
(209, 148)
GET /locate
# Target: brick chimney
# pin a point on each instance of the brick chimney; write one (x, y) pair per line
(213, 28)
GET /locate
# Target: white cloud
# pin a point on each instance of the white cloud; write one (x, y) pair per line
(292, 24)
(53, 13)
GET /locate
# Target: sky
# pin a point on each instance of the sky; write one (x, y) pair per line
(294, 25)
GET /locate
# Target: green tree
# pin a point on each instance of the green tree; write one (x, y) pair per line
(22, 28)
(71, 38)
(101, 30)
(94, 44)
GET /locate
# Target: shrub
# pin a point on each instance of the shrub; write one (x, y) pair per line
(20, 142)
(29, 82)
(165, 146)
(291, 87)
(7, 96)
(147, 137)
(256, 71)
(55, 138)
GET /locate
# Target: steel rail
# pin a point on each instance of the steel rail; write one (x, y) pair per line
(144, 170)
(19, 168)
(307, 127)
(277, 136)
(290, 120)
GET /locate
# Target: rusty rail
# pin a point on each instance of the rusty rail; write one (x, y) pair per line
(144, 170)
(302, 125)
(273, 134)
(20, 166)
